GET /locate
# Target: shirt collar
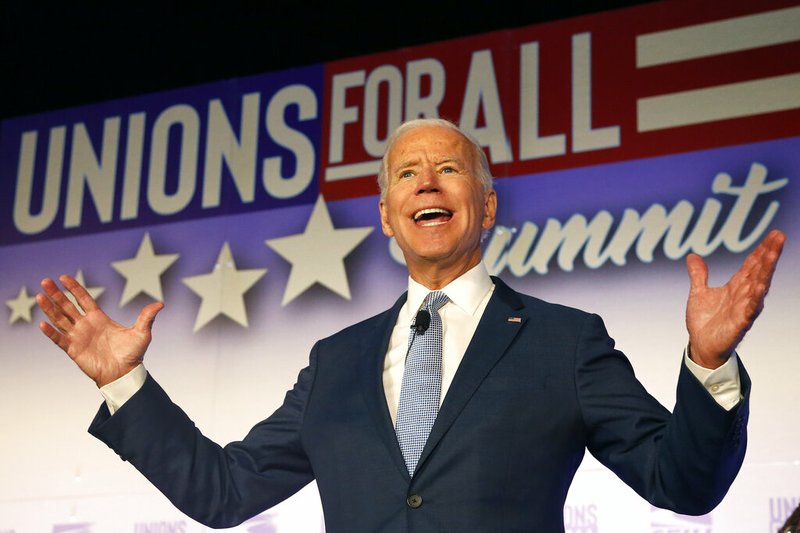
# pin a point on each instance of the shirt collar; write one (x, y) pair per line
(467, 291)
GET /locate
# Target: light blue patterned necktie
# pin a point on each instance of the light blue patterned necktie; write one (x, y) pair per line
(422, 383)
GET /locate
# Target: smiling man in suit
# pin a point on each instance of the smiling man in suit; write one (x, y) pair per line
(472, 414)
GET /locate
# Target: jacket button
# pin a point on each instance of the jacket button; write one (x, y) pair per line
(414, 501)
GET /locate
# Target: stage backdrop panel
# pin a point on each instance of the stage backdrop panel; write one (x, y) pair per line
(621, 142)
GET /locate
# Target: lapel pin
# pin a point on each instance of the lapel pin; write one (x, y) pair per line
(515, 319)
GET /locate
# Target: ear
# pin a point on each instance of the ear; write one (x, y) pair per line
(489, 209)
(385, 226)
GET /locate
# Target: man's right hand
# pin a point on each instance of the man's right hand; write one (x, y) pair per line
(102, 348)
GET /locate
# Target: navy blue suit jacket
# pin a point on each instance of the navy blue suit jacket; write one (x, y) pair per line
(528, 398)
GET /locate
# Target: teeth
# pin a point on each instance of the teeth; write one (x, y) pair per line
(433, 211)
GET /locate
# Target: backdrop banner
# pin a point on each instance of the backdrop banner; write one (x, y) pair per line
(620, 141)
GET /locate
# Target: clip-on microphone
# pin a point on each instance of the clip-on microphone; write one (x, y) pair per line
(422, 322)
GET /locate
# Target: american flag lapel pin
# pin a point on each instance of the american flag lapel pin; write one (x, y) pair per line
(515, 319)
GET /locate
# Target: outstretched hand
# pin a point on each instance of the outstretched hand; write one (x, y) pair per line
(718, 317)
(102, 348)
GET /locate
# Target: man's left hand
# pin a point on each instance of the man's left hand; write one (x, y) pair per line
(718, 317)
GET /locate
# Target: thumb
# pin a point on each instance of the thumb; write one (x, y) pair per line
(144, 323)
(698, 271)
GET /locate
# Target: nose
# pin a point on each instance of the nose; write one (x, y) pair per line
(428, 181)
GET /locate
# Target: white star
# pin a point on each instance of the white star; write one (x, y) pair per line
(222, 289)
(94, 292)
(317, 255)
(143, 272)
(21, 306)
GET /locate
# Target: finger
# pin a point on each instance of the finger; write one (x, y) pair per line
(144, 323)
(773, 247)
(60, 301)
(54, 313)
(54, 335)
(753, 307)
(772, 243)
(82, 296)
(698, 272)
(757, 272)
(761, 262)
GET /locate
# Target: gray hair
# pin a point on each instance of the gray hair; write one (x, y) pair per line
(480, 163)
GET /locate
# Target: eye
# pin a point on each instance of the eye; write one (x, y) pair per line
(406, 174)
(447, 170)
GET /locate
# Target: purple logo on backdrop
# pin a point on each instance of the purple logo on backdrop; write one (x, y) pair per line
(779, 510)
(74, 527)
(580, 518)
(662, 521)
(175, 526)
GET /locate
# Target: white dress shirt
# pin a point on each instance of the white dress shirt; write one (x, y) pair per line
(469, 294)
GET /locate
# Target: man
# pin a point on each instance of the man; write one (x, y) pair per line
(523, 387)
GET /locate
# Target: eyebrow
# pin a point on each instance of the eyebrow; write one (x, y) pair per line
(444, 160)
(405, 164)
(408, 163)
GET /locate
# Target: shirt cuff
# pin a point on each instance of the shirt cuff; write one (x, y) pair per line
(722, 384)
(122, 389)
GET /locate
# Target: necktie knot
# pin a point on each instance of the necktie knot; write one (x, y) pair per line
(435, 301)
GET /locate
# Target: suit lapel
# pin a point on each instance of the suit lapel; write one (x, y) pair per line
(503, 318)
(374, 350)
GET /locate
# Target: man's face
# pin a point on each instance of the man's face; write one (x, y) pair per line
(435, 206)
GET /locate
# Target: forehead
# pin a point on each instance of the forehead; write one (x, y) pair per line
(429, 142)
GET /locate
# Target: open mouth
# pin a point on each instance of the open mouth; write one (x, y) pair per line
(432, 216)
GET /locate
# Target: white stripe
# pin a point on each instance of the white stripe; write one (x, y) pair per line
(356, 170)
(714, 38)
(718, 103)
